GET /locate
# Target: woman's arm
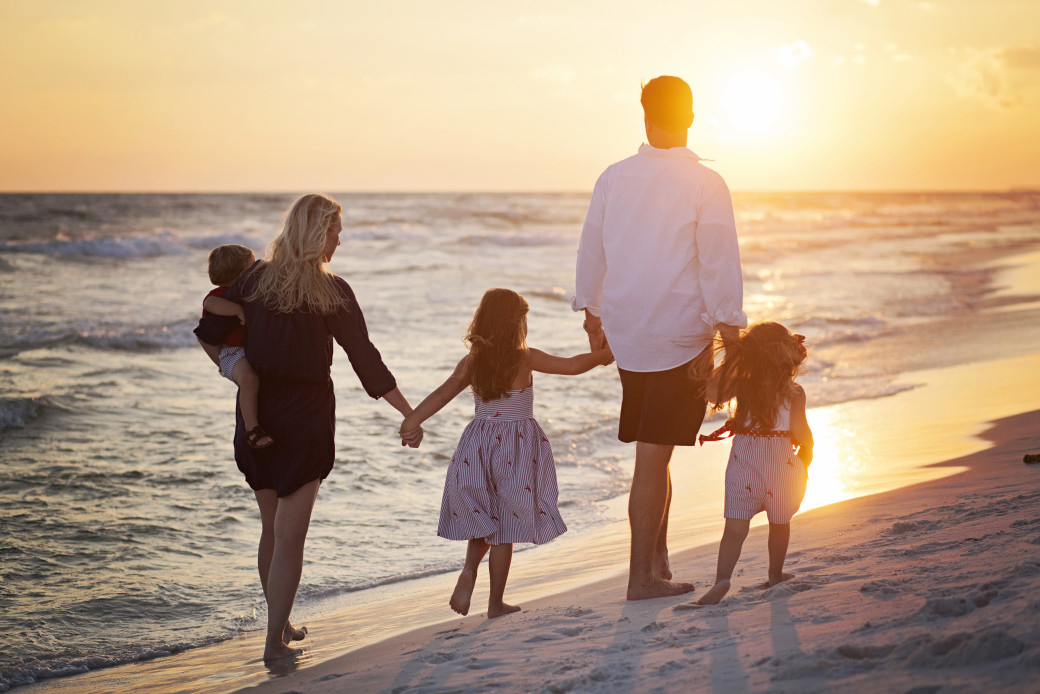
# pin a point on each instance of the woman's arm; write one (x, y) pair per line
(569, 366)
(441, 396)
(800, 431)
(220, 306)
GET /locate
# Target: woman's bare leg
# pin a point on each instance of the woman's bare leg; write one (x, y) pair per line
(292, 519)
(267, 500)
(498, 567)
(460, 597)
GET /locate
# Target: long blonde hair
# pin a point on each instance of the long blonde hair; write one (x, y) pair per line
(294, 274)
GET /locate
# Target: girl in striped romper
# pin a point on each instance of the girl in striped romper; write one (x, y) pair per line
(501, 482)
(772, 445)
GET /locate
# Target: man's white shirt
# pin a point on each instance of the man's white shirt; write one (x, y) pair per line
(658, 259)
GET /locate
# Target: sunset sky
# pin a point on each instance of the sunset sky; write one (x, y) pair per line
(415, 95)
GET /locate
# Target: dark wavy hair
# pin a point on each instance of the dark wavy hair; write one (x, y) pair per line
(496, 342)
(759, 371)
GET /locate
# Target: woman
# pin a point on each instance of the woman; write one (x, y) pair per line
(294, 308)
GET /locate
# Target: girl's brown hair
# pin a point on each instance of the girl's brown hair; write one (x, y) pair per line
(759, 371)
(496, 343)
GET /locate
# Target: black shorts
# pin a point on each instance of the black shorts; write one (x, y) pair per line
(662, 407)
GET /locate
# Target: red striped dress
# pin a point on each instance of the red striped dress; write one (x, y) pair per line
(501, 482)
(764, 474)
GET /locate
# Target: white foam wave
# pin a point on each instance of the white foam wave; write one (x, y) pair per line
(514, 240)
(163, 243)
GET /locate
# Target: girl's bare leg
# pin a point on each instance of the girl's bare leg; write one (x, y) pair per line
(460, 597)
(267, 500)
(729, 552)
(498, 566)
(779, 538)
(248, 392)
(292, 519)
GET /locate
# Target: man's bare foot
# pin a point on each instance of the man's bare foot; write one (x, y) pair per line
(460, 597)
(292, 633)
(659, 588)
(662, 569)
(773, 581)
(499, 610)
(280, 652)
(717, 592)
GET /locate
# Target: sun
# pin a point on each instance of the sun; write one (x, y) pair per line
(753, 102)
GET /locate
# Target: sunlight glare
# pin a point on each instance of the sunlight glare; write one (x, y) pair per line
(753, 101)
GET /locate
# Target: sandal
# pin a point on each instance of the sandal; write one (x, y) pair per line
(257, 434)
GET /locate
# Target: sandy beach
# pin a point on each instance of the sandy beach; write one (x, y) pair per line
(927, 587)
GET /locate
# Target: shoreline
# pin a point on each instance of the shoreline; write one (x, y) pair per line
(390, 614)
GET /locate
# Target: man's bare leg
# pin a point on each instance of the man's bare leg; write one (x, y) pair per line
(729, 552)
(647, 504)
(779, 538)
(460, 597)
(661, 565)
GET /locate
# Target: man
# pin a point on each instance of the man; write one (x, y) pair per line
(658, 275)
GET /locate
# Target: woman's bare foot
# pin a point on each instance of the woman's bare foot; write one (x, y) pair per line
(292, 633)
(280, 652)
(463, 592)
(659, 588)
(499, 610)
(717, 592)
(773, 581)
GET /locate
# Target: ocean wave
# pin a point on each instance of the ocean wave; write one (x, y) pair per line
(163, 243)
(17, 412)
(144, 339)
(514, 240)
(65, 665)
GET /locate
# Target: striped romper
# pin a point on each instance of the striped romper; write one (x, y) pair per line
(501, 482)
(764, 474)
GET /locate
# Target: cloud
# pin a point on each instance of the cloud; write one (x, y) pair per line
(998, 76)
(794, 54)
(556, 74)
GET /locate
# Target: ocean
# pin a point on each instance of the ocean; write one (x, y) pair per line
(127, 533)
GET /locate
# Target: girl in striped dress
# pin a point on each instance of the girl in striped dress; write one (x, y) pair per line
(772, 445)
(501, 482)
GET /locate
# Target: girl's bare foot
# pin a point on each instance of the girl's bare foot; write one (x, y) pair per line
(292, 633)
(717, 592)
(773, 581)
(280, 652)
(499, 610)
(463, 592)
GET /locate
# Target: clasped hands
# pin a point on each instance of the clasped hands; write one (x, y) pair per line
(412, 438)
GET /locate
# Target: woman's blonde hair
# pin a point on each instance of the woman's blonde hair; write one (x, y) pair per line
(496, 343)
(294, 275)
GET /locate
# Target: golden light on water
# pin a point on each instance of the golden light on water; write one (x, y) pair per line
(838, 460)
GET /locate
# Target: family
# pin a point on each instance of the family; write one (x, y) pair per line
(658, 277)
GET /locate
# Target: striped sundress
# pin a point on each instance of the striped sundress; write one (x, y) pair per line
(501, 482)
(764, 474)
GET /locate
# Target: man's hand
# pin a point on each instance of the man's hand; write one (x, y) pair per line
(730, 335)
(594, 329)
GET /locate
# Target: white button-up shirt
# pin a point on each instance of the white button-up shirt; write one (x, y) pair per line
(658, 259)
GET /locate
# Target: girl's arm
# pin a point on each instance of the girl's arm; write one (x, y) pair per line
(219, 306)
(441, 396)
(800, 431)
(569, 366)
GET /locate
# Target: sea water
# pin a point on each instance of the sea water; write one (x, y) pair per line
(127, 533)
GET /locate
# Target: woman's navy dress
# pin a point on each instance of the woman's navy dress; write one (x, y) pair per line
(292, 355)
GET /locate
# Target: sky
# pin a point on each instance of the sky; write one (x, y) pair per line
(454, 95)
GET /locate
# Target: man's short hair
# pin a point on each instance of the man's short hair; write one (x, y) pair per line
(227, 262)
(668, 102)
